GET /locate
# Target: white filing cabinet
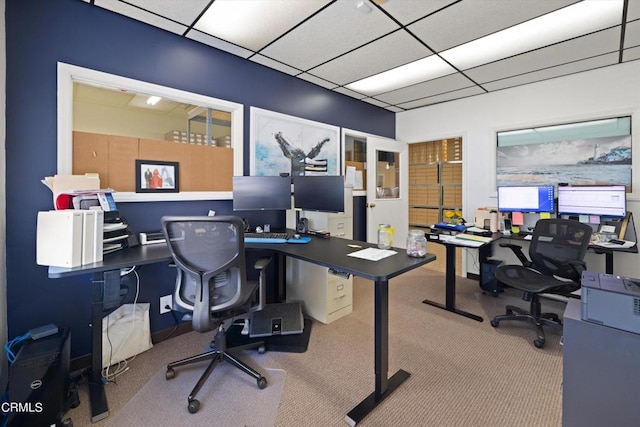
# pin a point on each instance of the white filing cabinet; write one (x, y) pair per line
(325, 297)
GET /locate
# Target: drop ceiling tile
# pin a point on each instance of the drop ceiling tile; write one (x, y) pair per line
(332, 32)
(172, 9)
(633, 11)
(394, 109)
(349, 92)
(573, 50)
(407, 11)
(388, 52)
(218, 44)
(375, 102)
(631, 54)
(469, 20)
(433, 87)
(632, 34)
(255, 24)
(268, 62)
(317, 80)
(559, 71)
(141, 15)
(450, 96)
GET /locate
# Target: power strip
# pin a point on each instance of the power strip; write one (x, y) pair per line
(152, 238)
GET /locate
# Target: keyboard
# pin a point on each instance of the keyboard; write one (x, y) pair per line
(265, 238)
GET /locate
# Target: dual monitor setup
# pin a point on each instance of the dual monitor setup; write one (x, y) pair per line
(600, 200)
(323, 193)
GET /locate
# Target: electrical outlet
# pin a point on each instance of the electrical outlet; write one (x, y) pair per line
(165, 301)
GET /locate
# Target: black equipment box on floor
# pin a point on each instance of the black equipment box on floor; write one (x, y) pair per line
(295, 343)
(488, 281)
(39, 381)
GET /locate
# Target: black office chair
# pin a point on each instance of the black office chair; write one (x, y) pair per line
(556, 253)
(211, 286)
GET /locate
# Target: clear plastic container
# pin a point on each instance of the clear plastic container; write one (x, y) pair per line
(385, 236)
(416, 244)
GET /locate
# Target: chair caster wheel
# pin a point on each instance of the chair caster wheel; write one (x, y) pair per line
(262, 383)
(494, 323)
(194, 406)
(170, 374)
(538, 343)
(262, 349)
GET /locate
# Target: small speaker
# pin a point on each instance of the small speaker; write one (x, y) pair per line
(302, 226)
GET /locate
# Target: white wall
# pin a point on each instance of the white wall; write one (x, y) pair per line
(594, 94)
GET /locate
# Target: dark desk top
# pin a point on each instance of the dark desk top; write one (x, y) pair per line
(330, 252)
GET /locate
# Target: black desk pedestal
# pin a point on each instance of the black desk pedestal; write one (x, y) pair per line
(97, 396)
(450, 296)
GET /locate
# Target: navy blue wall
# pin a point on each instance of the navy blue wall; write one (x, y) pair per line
(39, 33)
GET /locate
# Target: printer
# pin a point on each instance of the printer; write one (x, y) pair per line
(611, 300)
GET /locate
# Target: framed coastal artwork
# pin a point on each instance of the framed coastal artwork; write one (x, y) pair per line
(596, 152)
(285, 144)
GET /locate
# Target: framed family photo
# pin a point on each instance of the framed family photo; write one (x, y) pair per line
(154, 176)
(286, 144)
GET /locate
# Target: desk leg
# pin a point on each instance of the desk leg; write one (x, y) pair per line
(384, 386)
(97, 396)
(450, 288)
(608, 260)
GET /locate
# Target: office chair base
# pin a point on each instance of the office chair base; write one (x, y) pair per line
(217, 355)
(534, 317)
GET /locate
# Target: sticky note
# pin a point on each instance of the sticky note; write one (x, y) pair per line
(594, 219)
(583, 218)
(545, 215)
(517, 218)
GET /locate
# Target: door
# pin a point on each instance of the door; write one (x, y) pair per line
(387, 188)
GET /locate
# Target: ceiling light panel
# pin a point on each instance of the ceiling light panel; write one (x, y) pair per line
(572, 21)
(141, 15)
(172, 9)
(470, 20)
(572, 50)
(407, 11)
(381, 55)
(332, 32)
(406, 75)
(256, 23)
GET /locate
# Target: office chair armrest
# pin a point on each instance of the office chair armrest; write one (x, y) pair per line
(578, 266)
(517, 250)
(261, 265)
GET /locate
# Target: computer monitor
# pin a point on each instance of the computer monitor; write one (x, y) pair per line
(528, 198)
(261, 193)
(323, 193)
(603, 200)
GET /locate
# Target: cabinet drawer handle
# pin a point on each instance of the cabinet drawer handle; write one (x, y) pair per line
(341, 295)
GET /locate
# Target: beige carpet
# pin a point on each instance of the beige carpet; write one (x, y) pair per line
(463, 372)
(223, 398)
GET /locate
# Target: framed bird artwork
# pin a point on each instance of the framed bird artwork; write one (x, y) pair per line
(286, 144)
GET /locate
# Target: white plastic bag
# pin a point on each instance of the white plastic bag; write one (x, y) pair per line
(125, 333)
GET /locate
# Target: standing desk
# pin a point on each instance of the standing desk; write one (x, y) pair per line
(330, 253)
(450, 275)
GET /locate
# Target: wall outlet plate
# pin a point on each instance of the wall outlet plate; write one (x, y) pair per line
(165, 301)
